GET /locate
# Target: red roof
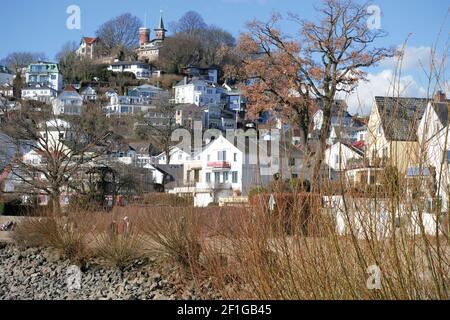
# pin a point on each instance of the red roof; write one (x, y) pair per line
(359, 145)
(89, 40)
(69, 88)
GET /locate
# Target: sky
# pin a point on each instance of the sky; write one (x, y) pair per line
(40, 26)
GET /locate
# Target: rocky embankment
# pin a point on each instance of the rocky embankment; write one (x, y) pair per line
(40, 274)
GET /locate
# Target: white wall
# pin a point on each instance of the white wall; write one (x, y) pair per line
(338, 155)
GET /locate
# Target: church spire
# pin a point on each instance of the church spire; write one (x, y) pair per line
(160, 30)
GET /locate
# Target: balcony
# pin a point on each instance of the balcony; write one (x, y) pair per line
(376, 163)
(219, 165)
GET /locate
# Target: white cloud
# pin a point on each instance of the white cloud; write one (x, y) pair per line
(418, 58)
(387, 83)
(384, 83)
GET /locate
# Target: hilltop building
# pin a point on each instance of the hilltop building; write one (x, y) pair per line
(149, 49)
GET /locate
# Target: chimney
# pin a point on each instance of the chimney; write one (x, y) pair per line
(440, 96)
(144, 36)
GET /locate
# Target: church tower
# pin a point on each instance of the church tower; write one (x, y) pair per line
(160, 30)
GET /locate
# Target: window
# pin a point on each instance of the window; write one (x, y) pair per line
(222, 156)
(217, 177)
(336, 159)
(208, 177)
(235, 177)
(225, 177)
(235, 157)
(385, 153)
(292, 162)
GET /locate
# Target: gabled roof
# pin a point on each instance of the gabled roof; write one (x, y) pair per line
(400, 117)
(89, 40)
(441, 110)
(352, 147)
(339, 107)
(69, 93)
(194, 81)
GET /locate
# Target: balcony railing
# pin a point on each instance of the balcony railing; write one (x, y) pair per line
(367, 163)
(219, 165)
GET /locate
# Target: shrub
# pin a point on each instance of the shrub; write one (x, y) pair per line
(66, 234)
(173, 235)
(119, 248)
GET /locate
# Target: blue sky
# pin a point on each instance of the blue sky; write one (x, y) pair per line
(40, 26)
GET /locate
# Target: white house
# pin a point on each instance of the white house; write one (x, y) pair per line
(126, 105)
(339, 154)
(6, 75)
(39, 93)
(87, 48)
(198, 92)
(6, 90)
(88, 94)
(141, 70)
(69, 102)
(45, 73)
(157, 175)
(434, 144)
(177, 156)
(210, 73)
(214, 172)
(339, 115)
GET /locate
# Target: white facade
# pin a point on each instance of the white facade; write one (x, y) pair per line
(127, 105)
(87, 48)
(44, 94)
(434, 141)
(141, 70)
(6, 90)
(157, 176)
(89, 94)
(198, 92)
(69, 102)
(215, 172)
(46, 74)
(177, 157)
(338, 155)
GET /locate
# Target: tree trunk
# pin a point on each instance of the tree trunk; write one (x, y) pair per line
(321, 146)
(56, 204)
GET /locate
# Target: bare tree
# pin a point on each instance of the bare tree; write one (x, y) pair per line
(195, 43)
(190, 23)
(327, 58)
(18, 60)
(68, 59)
(119, 35)
(51, 155)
